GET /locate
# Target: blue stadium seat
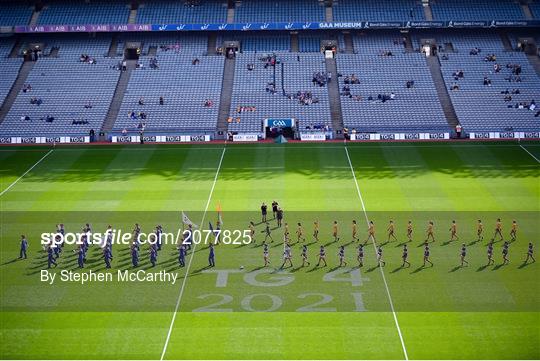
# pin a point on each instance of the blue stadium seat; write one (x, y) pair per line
(15, 13)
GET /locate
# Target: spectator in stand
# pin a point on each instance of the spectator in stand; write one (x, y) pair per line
(141, 101)
(161, 100)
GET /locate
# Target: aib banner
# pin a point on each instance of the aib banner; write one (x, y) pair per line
(286, 26)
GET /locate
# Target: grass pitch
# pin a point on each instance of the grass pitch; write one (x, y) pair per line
(441, 312)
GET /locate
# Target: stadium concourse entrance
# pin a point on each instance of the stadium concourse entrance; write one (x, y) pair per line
(132, 51)
(329, 48)
(429, 47)
(33, 51)
(230, 49)
(274, 128)
(527, 45)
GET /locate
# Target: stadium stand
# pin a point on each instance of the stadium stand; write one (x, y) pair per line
(262, 42)
(279, 10)
(64, 87)
(184, 86)
(309, 43)
(398, 88)
(380, 10)
(79, 12)
(413, 108)
(10, 67)
(535, 9)
(476, 10)
(252, 102)
(15, 13)
(169, 11)
(479, 106)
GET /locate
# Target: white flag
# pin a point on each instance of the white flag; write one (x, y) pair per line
(187, 221)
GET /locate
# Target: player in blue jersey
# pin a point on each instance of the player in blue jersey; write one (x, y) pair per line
(153, 254)
(305, 256)
(135, 255)
(490, 253)
(50, 258)
(322, 256)
(530, 252)
(380, 257)
(182, 255)
(341, 255)
(107, 257)
(405, 256)
(267, 233)
(24, 247)
(159, 232)
(211, 256)
(463, 254)
(287, 256)
(426, 255)
(81, 256)
(266, 256)
(360, 255)
(505, 247)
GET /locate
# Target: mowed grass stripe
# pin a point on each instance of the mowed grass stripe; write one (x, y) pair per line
(188, 266)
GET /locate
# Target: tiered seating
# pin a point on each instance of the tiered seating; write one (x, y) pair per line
(80, 12)
(535, 9)
(263, 42)
(194, 45)
(380, 10)
(65, 86)
(185, 88)
(174, 11)
(481, 107)
(476, 10)
(249, 91)
(416, 108)
(309, 43)
(15, 13)
(279, 10)
(10, 67)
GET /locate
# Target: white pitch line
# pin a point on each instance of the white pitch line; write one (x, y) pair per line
(532, 155)
(380, 268)
(191, 259)
(25, 173)
(159, 147)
